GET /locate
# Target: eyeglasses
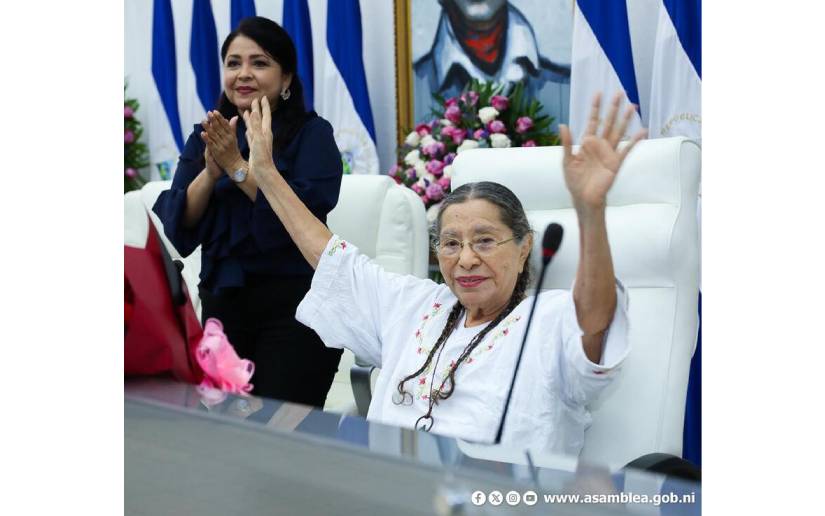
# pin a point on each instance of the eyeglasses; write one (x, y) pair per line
(482, 246)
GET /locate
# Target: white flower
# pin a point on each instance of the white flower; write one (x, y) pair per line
(431, 178)
(421, 183)
(426, 140)
(432, 213)
(448, 171)
(445, 122)
(420, 169)
(412, 139)
(498, 140)
(487, 114)
(412, 157)
(467, 144)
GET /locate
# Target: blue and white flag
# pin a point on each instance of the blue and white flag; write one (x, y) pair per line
(164, 67)
(204, 54)
(297, 23)
(676, 82)
(239, 10)
(343, 98)
(602, 61)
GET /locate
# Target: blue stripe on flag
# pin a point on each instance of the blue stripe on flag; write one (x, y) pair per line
(297, 24)
(608, 21)
(692, 436)
(203, 54)
(345, 47)
(687, 19)
(164, 67)
(239, 10)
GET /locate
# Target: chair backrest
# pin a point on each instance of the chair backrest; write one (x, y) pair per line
(386, 221)
(192, 263)
(654, 237)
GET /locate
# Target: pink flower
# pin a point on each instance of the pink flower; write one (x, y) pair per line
(444, 182)
(423, 129)
(128, 136)
(435, 192)
(453, 114)
(130, 172)
(500, 102)
(470, 98)
(524, 124)
(480, 134)
(393, 171)
(529, 143)
(456, 134)
(497, 126)
(452, 101)
(425, 199)
(435, 167)
(417, 189)
(434, 149)
(448, 159)
(128, 112)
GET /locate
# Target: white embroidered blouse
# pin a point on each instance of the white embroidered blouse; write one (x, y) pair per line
(392, 321)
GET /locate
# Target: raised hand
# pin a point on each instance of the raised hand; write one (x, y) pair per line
(590, 172)
(259, 135)
(220, 139)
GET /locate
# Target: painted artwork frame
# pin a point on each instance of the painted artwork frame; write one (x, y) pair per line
(403, 69)
(405, 55)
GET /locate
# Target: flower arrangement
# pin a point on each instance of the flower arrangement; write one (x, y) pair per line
(135, 154)
(480, 117)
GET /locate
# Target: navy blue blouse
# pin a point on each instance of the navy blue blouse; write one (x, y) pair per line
(240, 237)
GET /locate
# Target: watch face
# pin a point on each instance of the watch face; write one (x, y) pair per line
(239, 175)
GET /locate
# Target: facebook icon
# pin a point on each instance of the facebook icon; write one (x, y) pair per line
(478, 498)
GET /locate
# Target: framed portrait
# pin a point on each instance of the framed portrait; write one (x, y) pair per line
(442, 44)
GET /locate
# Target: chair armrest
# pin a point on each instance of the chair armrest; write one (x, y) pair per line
(667, 464)
(360, 377)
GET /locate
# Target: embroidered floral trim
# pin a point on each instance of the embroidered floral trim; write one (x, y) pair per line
(339, 243)
(502, 331)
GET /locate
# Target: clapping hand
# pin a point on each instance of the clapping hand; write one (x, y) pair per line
(212, 168)
(221, 142)
(590, 172)
(259, 135)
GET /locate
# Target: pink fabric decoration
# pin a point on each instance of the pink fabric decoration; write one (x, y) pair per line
(224, 371)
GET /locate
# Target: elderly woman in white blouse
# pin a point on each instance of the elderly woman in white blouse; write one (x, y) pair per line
(447, 352)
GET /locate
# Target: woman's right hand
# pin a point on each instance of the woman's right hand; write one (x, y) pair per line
(212, 167)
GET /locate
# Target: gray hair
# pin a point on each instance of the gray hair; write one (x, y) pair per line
(510, 209)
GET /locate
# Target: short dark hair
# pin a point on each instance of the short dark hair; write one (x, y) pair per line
(275, 41)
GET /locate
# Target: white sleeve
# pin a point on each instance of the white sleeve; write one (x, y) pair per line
(353, 301)
(582, 380)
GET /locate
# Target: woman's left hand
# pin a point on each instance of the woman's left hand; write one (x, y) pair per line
(590, 173)
(222, 141)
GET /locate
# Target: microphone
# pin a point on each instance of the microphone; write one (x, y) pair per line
(550, 242)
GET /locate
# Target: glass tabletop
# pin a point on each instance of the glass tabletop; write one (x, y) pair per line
(185, 454)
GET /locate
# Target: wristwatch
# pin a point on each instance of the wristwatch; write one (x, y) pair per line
(239, 175)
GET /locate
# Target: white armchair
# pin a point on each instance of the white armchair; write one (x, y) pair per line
(388, 223)
(654, 236)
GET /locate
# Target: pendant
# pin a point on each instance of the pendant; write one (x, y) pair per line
(424, 423)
